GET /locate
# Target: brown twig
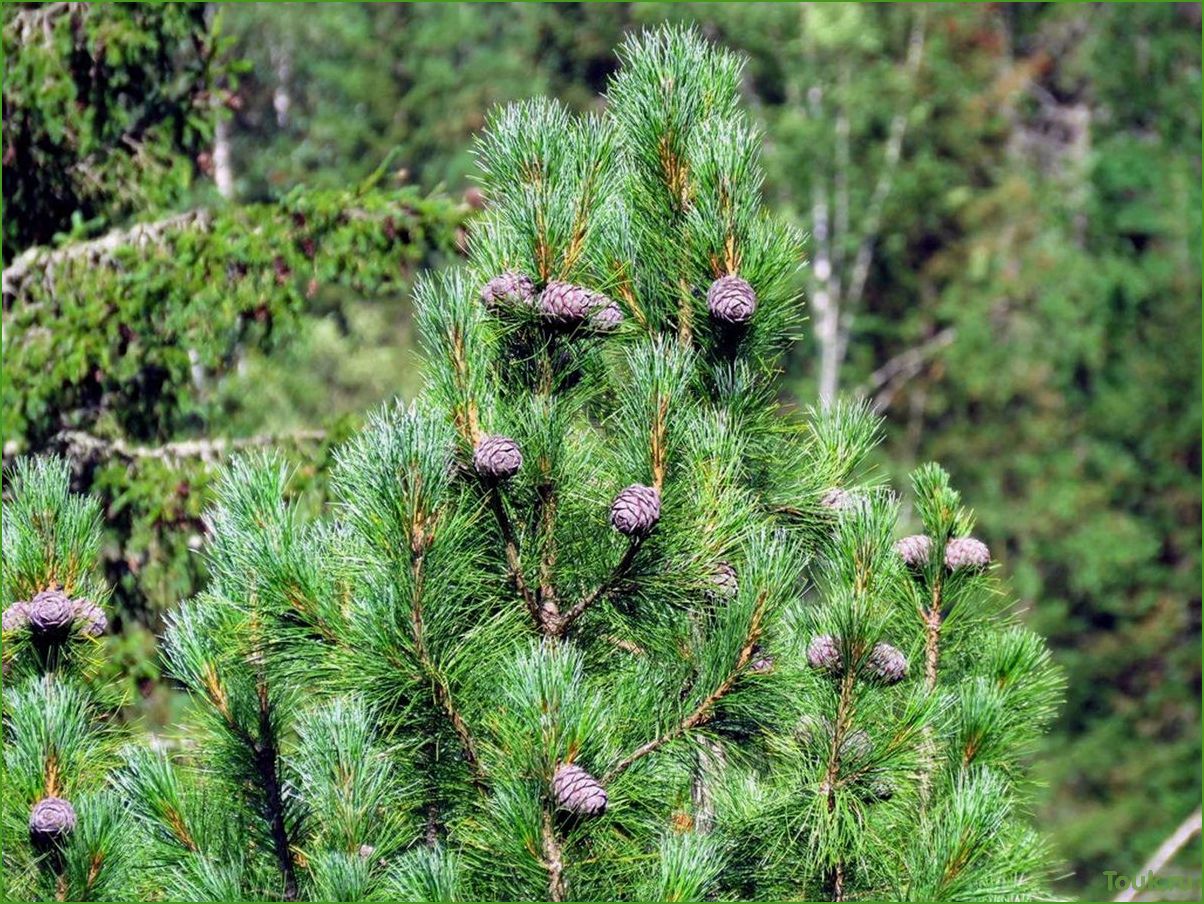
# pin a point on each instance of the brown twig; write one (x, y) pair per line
(685, 315)
(439, 685)
(844, 717)
(549, 611)
(552, 860)
(703, 712)
(612, 581)
(267, 764)
(510, 542)
(657, 441)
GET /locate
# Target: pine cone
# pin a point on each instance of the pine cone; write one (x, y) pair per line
(762, 662)
(887, 663)
(856, 746)
(16, 616)
(724, 581)
(878, 791)
(90, 616)
(966, 552)
(565, 304)
(843, 501)
(731, 299)
(511, 287)
(50, 820)
(915, 550)
(636, 510)
(607, 314)
(497, 457)
(577, 791)
(824, 653)
(50, 612)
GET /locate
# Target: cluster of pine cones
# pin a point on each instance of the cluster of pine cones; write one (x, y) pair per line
(560, 304)
(960, 552)
(730, 299)
(884, 662)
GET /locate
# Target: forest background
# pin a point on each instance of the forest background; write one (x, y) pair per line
(1003, 207)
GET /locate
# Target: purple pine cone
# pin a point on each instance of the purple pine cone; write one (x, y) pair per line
(843, 501)
(565, 304)
(636, 510)
(915, 550)
(511, 287)
(731, 299)
(577, 791)
(16, 616)
(51, 819)
(724, 581)
(966, 552)
(607, 314)
(51, 611)
(91, 617)
(887, 663)
(497, 457)
(762, 662)
(824, 653)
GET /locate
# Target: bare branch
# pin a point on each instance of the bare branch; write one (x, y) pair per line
(886, 175)
(78, 444)
(513, 560)
(904, 366)
(45, 260)
(1175, 842)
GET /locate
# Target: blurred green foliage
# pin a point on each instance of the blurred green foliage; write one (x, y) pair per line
(1034, 276)
(105, 113)
(211, 319)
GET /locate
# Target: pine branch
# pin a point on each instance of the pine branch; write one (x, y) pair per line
(553, 859)
(561, 625)
(513, 561)
(442, 692)
(703, 712)
(267, 762)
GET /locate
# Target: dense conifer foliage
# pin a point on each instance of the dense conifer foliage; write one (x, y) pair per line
(594, 618)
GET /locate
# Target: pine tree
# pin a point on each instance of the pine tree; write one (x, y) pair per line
(65, 834)
(593, 618)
